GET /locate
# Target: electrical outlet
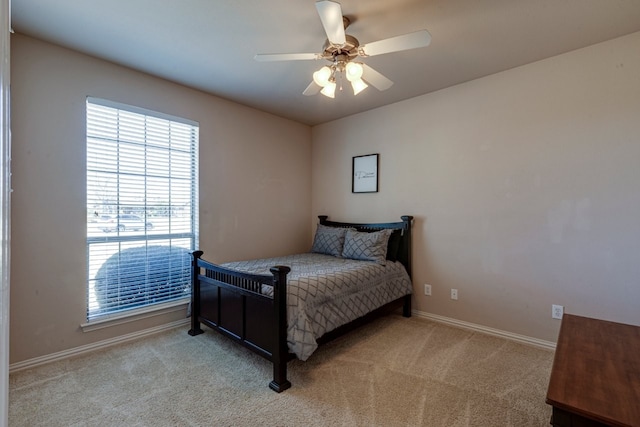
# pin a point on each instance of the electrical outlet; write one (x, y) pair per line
(557, 311)
(454, 294)
(427, 289)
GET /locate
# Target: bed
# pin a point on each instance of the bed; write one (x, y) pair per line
(282, 308)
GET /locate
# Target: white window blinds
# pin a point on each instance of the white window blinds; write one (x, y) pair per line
(142, 207)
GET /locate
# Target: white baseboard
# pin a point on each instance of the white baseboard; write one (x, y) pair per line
(486, 330)
(37, 361)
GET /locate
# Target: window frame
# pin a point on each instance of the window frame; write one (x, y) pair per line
(117, 313)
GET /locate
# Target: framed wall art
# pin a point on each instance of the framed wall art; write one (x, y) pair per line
(365, 174)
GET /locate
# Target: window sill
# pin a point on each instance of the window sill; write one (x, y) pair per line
(108, 321)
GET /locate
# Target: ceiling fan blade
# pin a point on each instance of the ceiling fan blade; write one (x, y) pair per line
(420, 38)
(376, 79)
(312, 89)
(331, 16)
(269, 57)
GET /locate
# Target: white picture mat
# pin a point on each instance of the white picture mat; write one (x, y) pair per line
(365, 174)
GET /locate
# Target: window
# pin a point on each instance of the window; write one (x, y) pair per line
(142, 207)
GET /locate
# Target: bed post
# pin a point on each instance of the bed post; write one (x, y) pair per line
(195, 295)
(407, 219)
(281, 350)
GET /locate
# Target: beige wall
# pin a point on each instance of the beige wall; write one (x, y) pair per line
(245, 194)
(524, 185)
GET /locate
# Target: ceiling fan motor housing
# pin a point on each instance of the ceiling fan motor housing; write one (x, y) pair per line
(350, 48)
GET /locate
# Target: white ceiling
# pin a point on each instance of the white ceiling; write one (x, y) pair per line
(210, 44)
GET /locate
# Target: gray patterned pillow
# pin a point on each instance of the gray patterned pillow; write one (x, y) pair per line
(367, 246)
(329, 240)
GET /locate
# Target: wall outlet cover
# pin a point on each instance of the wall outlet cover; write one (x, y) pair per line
(557, 311)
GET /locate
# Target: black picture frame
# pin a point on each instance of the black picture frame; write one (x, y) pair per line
(364, 178)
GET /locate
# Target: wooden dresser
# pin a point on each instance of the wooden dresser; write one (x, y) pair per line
(595, 379)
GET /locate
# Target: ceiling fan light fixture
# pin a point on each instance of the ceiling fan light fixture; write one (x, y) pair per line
(329, 90)
(358, 86)
(354, 71)
(322, 76)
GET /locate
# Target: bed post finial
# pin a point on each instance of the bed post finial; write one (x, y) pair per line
(195, 295)
(323, 218)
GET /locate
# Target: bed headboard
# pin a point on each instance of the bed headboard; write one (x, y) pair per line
(404, 227)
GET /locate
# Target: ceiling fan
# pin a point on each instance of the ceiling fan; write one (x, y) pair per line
(342, 49)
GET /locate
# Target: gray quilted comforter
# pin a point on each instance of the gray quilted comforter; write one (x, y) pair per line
(325, 292)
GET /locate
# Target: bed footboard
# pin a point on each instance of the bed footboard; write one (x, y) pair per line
(236, 305)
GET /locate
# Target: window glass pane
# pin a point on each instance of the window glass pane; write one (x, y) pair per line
(159, 161)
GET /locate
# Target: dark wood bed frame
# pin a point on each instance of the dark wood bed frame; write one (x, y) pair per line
(231, 302)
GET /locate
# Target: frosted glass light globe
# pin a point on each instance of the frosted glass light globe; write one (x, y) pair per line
(329, 90)
(354, 71)
(321, 77)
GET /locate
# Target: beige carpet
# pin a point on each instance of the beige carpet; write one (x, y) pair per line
(391, 372)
